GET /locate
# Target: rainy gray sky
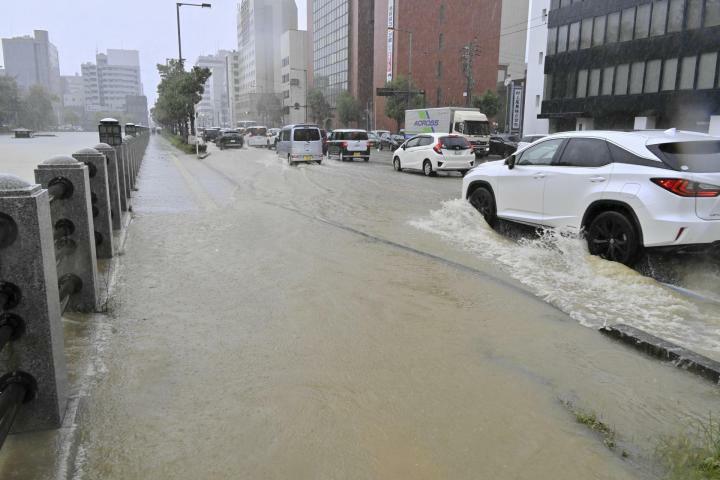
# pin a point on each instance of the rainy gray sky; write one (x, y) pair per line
(80, 27)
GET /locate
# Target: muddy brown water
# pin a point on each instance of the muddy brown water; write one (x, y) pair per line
(347, 321)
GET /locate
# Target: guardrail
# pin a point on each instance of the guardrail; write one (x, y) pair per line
(52, 234)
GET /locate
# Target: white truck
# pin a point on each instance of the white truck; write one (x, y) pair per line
(467, 122)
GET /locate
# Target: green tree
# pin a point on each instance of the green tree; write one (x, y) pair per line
(71, 117)
(319, 108)
(9, 101)
(178, 93)
(396, 105)
(348, 108)
(36, 109)
(488, 103)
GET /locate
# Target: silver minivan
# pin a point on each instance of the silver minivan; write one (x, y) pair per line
(300, 143)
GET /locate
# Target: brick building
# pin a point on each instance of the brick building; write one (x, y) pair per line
(440, 30)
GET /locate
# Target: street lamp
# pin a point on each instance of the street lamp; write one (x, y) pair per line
(177, 7)
(306, 88)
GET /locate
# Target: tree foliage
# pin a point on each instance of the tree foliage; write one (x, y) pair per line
(178, 93)
(319, 108)
(36, 109)
(488, 103)
(395, 106)
(269, 109)
(9, 101)
(348, 108)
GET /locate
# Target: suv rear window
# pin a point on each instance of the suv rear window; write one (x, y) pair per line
(306, 135)
(352, 136)
(700, 157)
(454, 143)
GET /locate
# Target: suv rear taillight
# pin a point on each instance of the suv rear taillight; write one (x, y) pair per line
(687, 188)
(438, 148)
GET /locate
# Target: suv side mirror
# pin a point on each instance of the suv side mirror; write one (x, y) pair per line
(510, 162)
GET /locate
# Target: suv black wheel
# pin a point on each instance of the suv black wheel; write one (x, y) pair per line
(612, 236)
(484, 202)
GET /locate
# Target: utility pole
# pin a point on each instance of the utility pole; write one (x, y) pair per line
(467, 55)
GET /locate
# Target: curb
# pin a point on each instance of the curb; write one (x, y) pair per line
(664, 350)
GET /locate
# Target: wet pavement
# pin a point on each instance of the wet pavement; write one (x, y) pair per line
(346, 321)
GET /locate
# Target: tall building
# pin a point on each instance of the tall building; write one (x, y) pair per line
(114, 76)
(340, 39)
(33, 61)
(232, 66)
(535, 58)
(632, 64)
(295, 76)
(214, 107)
(440, 35)
(73, 91)
(513, 36)
(261, 24)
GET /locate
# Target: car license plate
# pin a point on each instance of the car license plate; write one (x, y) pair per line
(458, 152)
(356, 154)
(307, 157)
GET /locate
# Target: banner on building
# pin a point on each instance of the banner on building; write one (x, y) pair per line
(516, 110)
(390, 40)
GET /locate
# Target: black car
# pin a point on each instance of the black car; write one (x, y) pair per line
(503, 144)
(230, 140)
(210, 134)
(391, 142)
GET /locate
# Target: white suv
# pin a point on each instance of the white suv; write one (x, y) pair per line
(435, 152)
(623, 190)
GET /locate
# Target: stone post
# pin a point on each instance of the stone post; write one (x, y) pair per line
(27, 262)
(100, 198)
(129, 143)
(74, 207)
(113, 183)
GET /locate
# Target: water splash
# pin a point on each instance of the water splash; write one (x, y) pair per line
(558, 268)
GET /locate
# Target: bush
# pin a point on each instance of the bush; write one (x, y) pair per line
(178, 142)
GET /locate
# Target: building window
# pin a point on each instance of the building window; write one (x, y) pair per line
(565, 3)
(637, 73)
(598, 36)
(440, 41)
(552, 41)
(562, 39)
(442, 12)
(694, 14)
(621, 79)
(607, 80)
(652, 76)
(537, 101)
(687, 73)
(547, 87)
(439, 96)
(570, 85)
(712, 13)
(627, 24)
(669, 74)
(642, 21)
(706, 70)
(594, 83)
(574, 36)
(582, 84)
(659, 17)
(613, 27)
(540, 58)
(439, 69)
(554, 4)
(586, 33)
(675, 15)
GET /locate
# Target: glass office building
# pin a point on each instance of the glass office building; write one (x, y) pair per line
(613, 61)
(331, 32)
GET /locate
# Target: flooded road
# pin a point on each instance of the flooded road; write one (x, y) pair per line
(348, 321)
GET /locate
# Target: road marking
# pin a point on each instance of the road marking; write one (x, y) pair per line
(201, 196)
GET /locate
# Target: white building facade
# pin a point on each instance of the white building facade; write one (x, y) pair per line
(109, 81)
(214, 108)
(294, 76)
(537, 33)
(33, 61)
(260, 25)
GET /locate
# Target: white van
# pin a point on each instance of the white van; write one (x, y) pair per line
(256, 136)
(300, 143)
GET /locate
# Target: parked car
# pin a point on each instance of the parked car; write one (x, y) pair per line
(503, 144)
(273, 135)
(528, 139)
(300, 143)
(390, 141)
(230, 140)
(373, 140)
(256, 136)
(625, 191)
(379, 134)
(435, 152)
(349, 144)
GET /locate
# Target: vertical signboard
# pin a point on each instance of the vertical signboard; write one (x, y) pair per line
(516, 112)
(390, 39)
